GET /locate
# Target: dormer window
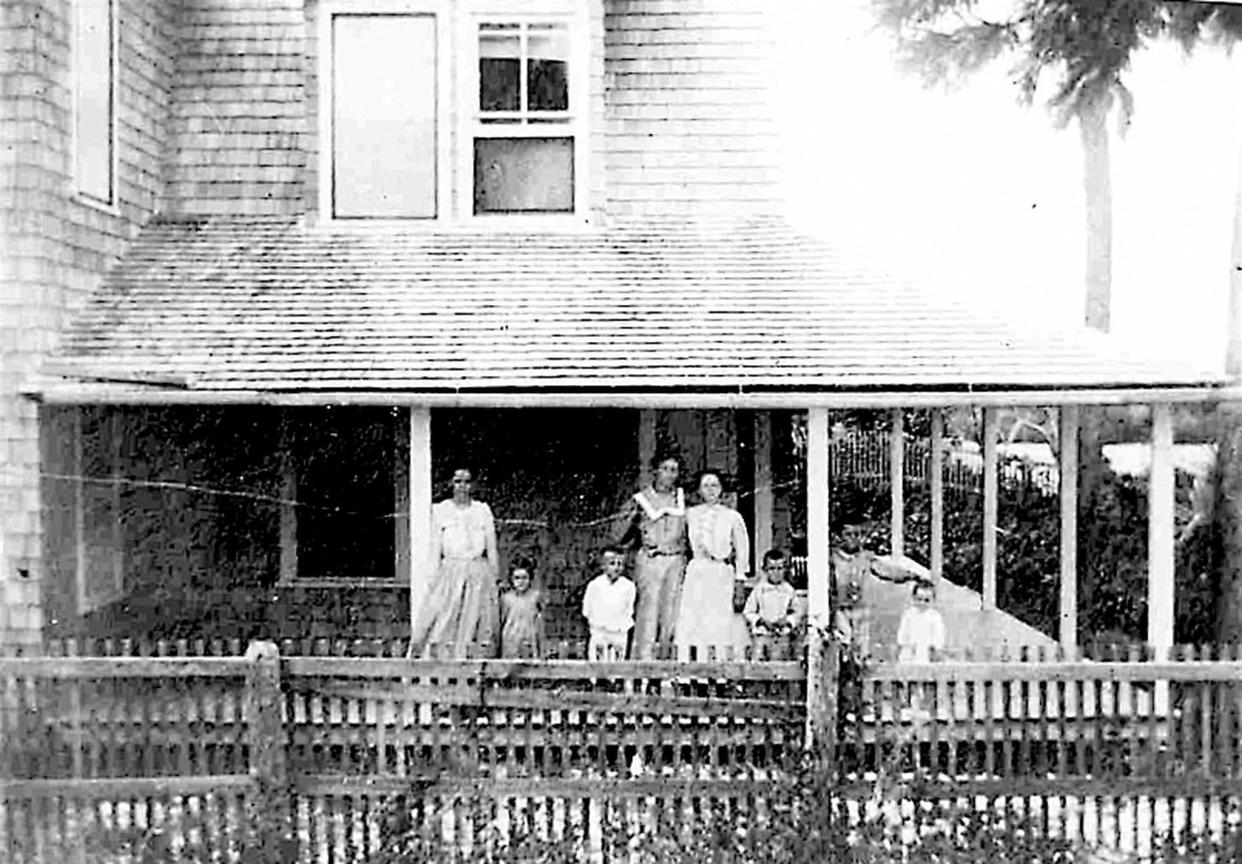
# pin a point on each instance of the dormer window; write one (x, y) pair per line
(393, 73)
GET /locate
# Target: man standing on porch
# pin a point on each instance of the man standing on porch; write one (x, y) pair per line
(657, 523)
(856, 588)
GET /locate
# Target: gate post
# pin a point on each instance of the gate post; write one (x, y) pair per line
(269, 807)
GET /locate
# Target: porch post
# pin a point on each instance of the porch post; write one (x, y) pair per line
(401, 498)
(646, 445)
(288, 502)
(116, 458)
(897, 482)
(937, 495)
(990, 495)
(419, 505)
(1160, 556)
(79, 512)
(817, 514)
(762, 437)
(1068, 630)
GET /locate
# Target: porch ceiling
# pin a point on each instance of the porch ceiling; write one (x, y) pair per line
(274, 305)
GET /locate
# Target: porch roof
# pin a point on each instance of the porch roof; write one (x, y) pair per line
(268, 305)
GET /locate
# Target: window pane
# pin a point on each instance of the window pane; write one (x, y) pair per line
(500, 65)
(523, 175)
(384, 116)
(547, 76)
(93, 98)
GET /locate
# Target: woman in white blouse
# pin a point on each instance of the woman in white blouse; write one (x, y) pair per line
(721, 552)
(461, 604)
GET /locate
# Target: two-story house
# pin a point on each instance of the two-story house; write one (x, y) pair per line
(274, 267)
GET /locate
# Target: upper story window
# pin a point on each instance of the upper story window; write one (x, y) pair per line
(94, 69)
(524, 129)
(383, 116)
(395, 75)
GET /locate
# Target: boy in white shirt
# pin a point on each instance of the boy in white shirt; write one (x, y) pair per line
(922, 626)
(770, 610)
(608, 606)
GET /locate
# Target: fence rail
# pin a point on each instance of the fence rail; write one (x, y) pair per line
(264, 749)
(319, 756)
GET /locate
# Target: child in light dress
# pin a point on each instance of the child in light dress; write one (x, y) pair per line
(521, 614)
(921, 630)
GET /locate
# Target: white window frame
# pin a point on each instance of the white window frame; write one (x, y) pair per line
(442, 10)
(573, 15)
(110, 205)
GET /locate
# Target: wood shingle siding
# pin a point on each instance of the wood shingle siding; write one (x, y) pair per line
(55, 246)
(691, 93)
(240, 119)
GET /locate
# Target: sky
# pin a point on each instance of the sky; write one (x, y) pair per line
(975, 194)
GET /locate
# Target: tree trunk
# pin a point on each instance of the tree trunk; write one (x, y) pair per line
(1098, 189)
(1227, 509)
(1233, 349)
(1097, 186)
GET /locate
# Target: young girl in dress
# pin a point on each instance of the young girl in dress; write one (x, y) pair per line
(521, 615)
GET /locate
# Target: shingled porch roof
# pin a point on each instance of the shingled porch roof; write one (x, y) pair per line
(264, 305)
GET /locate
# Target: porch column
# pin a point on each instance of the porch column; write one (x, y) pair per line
(646, 445)
(76, 471)
(1068, 629)
(937, 495)
(419, 512)
(897, 482)
(762, 437)
(288, 501)
(1160, 556)
(116, 458)
(817, 515)
(990, 495)
(401, 498)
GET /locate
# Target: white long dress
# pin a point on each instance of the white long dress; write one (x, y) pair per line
(720, 549)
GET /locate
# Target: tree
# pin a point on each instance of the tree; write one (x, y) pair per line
(1076, 51)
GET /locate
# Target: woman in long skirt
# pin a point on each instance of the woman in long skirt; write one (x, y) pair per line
(721, 552)
(459, 608)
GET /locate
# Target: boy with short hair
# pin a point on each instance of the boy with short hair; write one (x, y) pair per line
(770, 610)
(608, 606)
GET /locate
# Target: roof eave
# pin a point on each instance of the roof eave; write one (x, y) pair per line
(100, 393)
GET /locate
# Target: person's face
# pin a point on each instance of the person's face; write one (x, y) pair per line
(613, 565)
(775, 570)
(710, 488)
(852, 538)
(462, 483)
(521, 580)
(924, 597)
(666, 473)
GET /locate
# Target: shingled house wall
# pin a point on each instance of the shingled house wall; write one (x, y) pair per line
(54, 247)
(217, 116)
(681, 118)
(691, 102)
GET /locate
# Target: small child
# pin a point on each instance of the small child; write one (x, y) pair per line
(922, 626)
(770, 612)
(608, 607)
(521, 615)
